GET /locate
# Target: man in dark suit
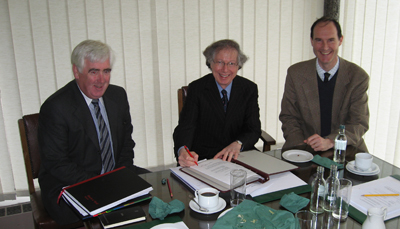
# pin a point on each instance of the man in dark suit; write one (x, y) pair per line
(84, 128)
(323, 93)
(214, 125)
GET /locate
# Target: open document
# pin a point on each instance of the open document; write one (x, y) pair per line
(387, 185)
(276, 183)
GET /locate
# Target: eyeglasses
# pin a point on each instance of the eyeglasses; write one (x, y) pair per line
(221, 64)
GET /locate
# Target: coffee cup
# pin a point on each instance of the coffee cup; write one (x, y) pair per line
(207, 197)
(363, 161)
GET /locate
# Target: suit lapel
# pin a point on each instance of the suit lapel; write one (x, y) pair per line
(342, 80)
(84, 116)
(112, 119)
(213, 97)
(310, 89)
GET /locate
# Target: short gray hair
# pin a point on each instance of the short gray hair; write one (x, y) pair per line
(217, 46)
(94, 51)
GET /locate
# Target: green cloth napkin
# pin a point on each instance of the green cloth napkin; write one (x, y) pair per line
(250, 214)
(158, 209)
(326, 162)
(293, 202)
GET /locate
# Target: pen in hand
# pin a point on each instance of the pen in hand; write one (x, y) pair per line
(187, 150)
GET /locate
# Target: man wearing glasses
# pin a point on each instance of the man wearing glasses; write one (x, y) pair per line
(221, 116)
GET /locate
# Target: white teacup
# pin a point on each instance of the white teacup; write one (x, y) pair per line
(207, 197)
(363, 161)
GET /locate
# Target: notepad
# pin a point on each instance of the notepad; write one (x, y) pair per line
(384, 185)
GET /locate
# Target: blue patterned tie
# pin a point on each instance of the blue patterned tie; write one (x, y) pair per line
(105, 144)
(224, 99)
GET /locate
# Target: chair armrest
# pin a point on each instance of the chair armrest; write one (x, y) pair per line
(267, 140)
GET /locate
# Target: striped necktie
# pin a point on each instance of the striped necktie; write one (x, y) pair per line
(224, 99)
(105, 144)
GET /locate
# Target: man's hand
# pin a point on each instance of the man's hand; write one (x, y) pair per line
(229, 152)
(318, 143)
(185, 160)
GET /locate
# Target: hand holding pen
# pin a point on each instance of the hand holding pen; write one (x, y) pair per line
(187, 158)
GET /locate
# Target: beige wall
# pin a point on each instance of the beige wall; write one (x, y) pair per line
(159, 44)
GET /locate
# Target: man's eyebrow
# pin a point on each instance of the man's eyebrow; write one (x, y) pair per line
(93, 69)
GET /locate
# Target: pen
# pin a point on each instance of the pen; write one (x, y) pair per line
(381, 195)
(169, 187)
(187, 150)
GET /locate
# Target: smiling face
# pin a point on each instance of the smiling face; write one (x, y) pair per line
(226, 73)
(94, 79)
(326, 44)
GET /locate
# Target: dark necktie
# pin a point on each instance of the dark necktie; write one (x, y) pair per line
(224, 99)
(105, 144)
(326, 78)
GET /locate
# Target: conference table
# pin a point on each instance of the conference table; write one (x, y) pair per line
(306, 172)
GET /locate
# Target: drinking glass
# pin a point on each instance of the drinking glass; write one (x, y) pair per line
(238, 186)
(305, 220)
(341, 209)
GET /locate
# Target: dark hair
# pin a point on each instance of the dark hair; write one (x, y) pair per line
(327, 20)
(217, 46)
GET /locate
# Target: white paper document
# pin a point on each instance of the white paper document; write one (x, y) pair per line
(277, 182)
(387, 185)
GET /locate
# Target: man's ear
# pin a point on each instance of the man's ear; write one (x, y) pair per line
(75, 71)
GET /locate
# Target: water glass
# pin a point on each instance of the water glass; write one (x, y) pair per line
(341, 209)
(238, 186)
(305, 220)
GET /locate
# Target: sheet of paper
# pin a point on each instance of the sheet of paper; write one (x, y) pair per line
(277, 182)
(190, 181)
(220, 170)
(387, 185)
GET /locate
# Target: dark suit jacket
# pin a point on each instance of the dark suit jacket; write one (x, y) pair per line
(300, 109)
(70, 150)
(206, 129)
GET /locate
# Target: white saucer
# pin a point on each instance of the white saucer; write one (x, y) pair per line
(178, 225)
(221, 205)
(298, 156)
(373, 171)
(224, 212)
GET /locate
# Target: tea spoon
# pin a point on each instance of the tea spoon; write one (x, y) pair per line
(200, 207)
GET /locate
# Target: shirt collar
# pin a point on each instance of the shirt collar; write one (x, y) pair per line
(227, 89)
(332, 72)
(87, 99)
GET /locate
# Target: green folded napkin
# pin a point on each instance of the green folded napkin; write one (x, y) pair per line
(326, 162)
(250, 214)
(293, 202)
(158, 209)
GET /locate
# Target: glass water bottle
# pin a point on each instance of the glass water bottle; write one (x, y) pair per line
(318, 192)
(340, 146)
(331, 188)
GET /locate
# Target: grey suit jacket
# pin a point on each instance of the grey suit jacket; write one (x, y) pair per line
(205, 128)
(300, 109)
(70, 150)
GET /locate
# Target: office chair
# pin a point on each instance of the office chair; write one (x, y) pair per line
(28, 128)
(265, 137)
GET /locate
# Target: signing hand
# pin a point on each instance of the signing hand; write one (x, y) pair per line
(318, 143)
(185, 160)
(229, 152)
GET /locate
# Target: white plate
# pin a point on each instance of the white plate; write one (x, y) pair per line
(224, 212)
(178, 225)
(373, 171)
(298, 156)
(221, 205)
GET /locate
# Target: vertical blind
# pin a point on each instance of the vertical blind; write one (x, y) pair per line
(158, 46)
